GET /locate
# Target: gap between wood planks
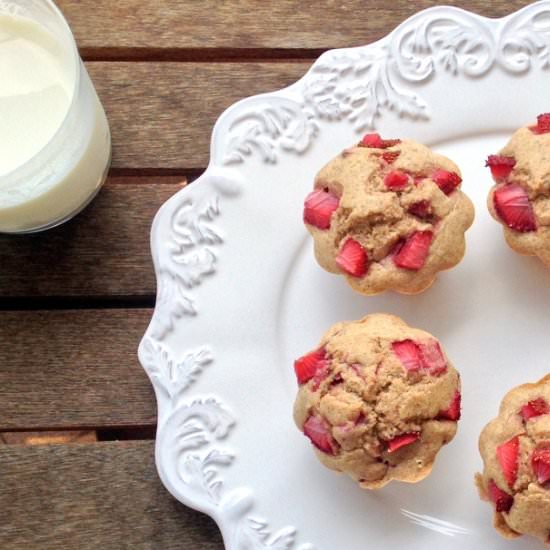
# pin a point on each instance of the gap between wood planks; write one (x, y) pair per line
(65, 437)
(182, 176)
(201, 55)
(32, 303)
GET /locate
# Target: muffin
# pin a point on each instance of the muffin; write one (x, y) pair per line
(520, 198)
(388, 215)
(377, 399)
(515, 448)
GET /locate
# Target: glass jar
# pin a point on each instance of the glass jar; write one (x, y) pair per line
(57, 146)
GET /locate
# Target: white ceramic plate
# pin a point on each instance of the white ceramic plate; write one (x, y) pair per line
(240, 295)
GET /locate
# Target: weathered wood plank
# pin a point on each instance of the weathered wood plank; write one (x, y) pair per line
(104, 251)
(73, 369)
(162, 114)
(90, 496)
(244, 24)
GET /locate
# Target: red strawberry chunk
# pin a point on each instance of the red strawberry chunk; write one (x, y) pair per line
(414, 252)
(540, 461)
(543, 124)
(426, 356)
(396, 248)
(371, 140)
(453, 411)
(446, 181)
(536, 407)
(318, 431)
(402, 441)
(408, 352)
(374, 141)
(421, 209)
(320, 375)
(353, 259)
(390, 156)
(433, 360)
(514, 208)
(501, 499)
(307, 366)
(319, 207)
(396, 180)
(507, 456)
(500, 166)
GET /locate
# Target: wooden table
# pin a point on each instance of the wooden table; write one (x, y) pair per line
(77, 413)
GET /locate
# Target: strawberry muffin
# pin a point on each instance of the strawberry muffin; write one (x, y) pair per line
(515, 448)
(520, 198)
(388, 215)
(377, 400)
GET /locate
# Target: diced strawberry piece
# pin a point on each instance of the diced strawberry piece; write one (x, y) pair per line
(307, 366)
(402, 441)
(319, 207)
(371, 140)
(390, 156)
(536, 407)
(453, 411)
(514, 208)
(432, 358)
(320, 375)
(353, 259)
(500, 166)
(446, 181)
(408, 352)
(396, 248)
(414, 252)
(396, 180)
(543, 124)
(501, 499)
(318, 431)
(425, 356)
(374, 141)
(507, 455)
(421, 209)
(540, 461)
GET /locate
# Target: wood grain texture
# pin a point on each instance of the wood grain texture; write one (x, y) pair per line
(101, 25)
(73, 369)
(162, 114)
(90, 496)
(104, 251)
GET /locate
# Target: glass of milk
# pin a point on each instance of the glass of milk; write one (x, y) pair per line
(55, 144)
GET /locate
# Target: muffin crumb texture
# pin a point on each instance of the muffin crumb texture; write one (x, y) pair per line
(515, 448)
(388, 214)
(377, 400)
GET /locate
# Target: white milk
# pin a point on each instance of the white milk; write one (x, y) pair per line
(39, 77)
(36, 86)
